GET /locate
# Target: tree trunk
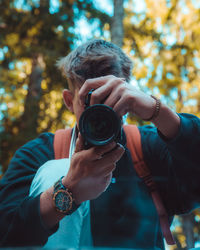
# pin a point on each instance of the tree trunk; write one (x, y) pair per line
(27, 123)
(117, 30)
(31, 108)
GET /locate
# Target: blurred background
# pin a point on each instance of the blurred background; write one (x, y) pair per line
(161, 36)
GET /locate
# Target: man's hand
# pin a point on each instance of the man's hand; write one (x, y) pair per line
(91, 170)
(119, 95)
(124, 98)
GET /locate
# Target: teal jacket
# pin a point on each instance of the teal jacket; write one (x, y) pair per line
(124, 215)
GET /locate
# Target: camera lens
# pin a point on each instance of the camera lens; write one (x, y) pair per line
(99, 124)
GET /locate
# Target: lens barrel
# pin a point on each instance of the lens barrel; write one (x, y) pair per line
(99, 125)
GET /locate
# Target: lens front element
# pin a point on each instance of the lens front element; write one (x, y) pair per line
(99, 124)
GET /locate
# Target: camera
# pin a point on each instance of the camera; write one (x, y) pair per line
(99, 124)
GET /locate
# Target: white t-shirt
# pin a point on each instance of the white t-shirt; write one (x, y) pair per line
(74, 230)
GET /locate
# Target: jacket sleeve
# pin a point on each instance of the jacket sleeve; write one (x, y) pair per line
(20, 221)
(175, 164)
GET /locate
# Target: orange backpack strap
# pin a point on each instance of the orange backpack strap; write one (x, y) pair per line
(133, 139)
(61, 143)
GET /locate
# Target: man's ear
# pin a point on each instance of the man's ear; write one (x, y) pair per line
(68, 99)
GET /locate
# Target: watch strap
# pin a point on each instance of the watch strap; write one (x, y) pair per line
(58, 185)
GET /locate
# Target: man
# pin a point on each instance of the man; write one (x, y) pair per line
(121, 213)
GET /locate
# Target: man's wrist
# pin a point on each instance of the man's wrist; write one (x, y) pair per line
(50, 217)
(156, 109)
(167, 122)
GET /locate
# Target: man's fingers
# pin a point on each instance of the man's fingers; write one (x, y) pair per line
(90, 84)
(109, 81)
(79, 143)
(113, 156)
(107, 163)
(112, 99)
(96, 153)
(100, 94)
(120, 108)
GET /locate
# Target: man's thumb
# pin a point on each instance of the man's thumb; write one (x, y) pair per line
(79, 143)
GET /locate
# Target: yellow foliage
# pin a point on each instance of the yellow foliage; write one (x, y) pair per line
(15, 130)
(36, 12)
(34, 30)
(54, 94)
(14, 109)
(28, 66)
(42, 105)
(27, 42)
(179, 229)
(58, 105)
(12, 39)
(142, 73)
(106, 26)
(182, 239)
(69, 119)
(44, 84)
(43, 124)
(168, 36)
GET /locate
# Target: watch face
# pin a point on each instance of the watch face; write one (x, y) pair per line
(63, 201)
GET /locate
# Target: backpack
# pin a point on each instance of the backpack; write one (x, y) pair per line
(61, 150)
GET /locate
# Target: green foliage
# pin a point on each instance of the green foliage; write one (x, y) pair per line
(163, 41)
(33, 39)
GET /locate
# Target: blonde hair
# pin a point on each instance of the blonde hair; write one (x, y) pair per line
(93, 59)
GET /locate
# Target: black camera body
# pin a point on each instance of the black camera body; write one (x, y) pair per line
(99, 124)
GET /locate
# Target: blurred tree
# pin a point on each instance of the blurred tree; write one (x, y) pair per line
(163, 40)
(117, 28)
(32, 37)
(162, 37)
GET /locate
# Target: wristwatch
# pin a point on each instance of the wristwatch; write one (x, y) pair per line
(63, 199)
